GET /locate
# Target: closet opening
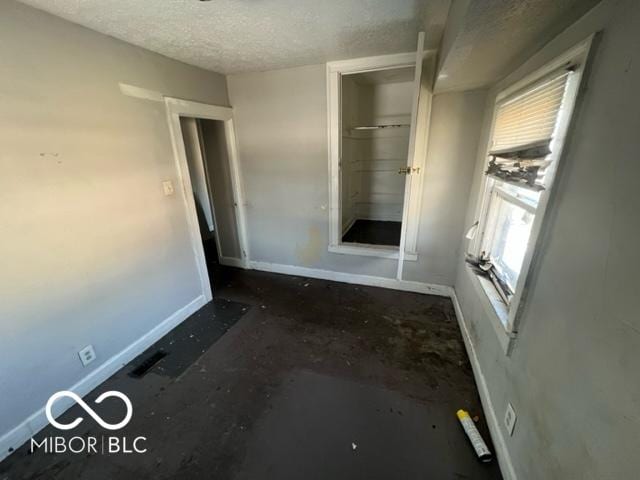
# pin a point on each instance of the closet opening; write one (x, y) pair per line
(378, 114)
(376, 121)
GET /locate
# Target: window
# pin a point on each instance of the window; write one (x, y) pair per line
(520, 154)
(511, 222)
(529, 127)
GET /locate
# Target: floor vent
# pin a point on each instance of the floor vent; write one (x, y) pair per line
(142, 369)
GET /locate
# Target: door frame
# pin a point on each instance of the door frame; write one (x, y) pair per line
(335, 70)
(176, 108)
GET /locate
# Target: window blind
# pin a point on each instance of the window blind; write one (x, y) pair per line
(523, 130)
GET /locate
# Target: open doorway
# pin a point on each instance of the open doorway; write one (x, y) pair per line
(205, 152)
(212, 188)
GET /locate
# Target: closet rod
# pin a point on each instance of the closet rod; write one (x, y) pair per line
(377, 127)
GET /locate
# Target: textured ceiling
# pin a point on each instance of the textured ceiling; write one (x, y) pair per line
(493, 37)
(231, 36)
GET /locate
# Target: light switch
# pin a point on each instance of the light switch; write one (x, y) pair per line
(167, 187)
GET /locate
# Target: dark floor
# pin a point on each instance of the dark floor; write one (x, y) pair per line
(312, 380)
(374, 232)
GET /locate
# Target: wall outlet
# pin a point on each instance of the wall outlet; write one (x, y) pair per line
(87, 355)
(510, 419)
(167, 187)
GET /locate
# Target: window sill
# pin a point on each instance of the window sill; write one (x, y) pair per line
(371, 251)
(495, 308)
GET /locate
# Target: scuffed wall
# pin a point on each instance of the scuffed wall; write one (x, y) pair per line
(92, 252)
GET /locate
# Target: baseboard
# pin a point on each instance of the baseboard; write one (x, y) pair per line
(369, 280)
(38, 420)
(504, 459)
(231, 262)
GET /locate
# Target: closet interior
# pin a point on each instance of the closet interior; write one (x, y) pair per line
(376, 113)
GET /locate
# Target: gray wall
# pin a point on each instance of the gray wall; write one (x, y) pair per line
(572, 376)
(281, 119)
(92, 252)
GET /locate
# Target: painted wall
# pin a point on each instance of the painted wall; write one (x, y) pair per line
(572, 376)
(281, 119)
(455, 132)
(92, 251)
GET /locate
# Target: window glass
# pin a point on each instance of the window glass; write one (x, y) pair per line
(531, 197)
(510, 239)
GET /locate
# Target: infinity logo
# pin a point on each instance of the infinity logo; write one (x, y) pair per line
(89, 410)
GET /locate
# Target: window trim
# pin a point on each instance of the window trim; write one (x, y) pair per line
(506, 322)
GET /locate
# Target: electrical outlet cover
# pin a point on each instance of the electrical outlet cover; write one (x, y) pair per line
(87, 355)
(510, 419)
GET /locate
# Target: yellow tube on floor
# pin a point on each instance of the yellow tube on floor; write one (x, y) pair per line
(474, 436)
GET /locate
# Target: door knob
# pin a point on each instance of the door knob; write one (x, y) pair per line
(408, 170)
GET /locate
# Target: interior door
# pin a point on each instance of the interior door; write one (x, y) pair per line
(217, 159)
(415, 157)
(197, 169)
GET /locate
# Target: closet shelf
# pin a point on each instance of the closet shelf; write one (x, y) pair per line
(379, 127)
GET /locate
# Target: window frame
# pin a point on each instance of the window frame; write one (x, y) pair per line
(505, 318)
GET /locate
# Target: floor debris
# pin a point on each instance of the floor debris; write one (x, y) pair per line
(239, 417)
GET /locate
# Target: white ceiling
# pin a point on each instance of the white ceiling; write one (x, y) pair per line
(232, 36)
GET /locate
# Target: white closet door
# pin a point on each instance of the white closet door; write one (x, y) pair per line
(197, 168)
(409, 212)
